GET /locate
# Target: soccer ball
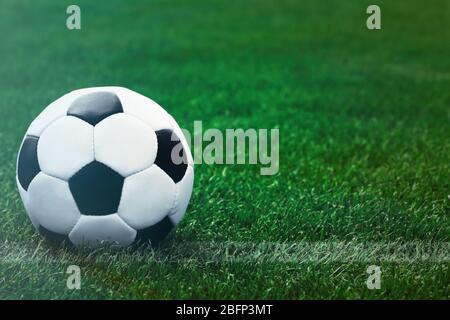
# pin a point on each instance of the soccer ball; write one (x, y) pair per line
(103, 166)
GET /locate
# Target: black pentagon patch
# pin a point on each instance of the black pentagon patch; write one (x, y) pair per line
(155, 233)
(166, 143)
(28, 165)
(96, 189)
(55, 238)
(96, 106)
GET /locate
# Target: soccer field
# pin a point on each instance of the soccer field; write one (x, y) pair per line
(364, 123)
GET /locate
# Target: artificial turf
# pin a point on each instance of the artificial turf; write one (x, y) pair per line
(364, 140)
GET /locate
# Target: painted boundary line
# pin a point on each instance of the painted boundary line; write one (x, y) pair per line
(249, 252)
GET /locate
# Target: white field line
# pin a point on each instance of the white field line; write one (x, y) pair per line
(248, 252)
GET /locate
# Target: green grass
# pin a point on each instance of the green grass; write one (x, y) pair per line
(364, 139)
